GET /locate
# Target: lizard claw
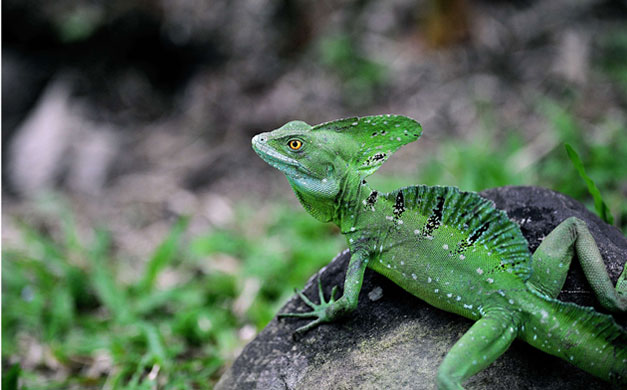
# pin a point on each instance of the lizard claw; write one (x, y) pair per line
(320, 311)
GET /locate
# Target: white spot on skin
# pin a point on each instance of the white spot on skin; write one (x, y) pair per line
(445, 246)
(490, 280)
(437, 290)
(462, 257)
(479, 271)
(416, 231)
(449, 295)
(413, 276)
(428, 279)
(458, 298)
(353, 229)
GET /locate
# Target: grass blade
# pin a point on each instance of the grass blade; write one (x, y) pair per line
(163, 255)
(103, 280)
(599, 204)
(10, 377)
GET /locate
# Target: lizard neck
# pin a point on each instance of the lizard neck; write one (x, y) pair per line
(348, 203)
(342, 209)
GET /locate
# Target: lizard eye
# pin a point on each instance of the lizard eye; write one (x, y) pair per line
(295, 144)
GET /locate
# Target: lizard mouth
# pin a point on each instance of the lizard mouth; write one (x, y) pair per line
(276, 159)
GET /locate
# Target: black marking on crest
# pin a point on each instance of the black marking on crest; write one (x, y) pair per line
(372, 199)
(470, 241)
(375, 158)
(435, 219)
(477, 233)
(399, 205)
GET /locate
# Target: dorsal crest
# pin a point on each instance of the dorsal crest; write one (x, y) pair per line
(483, 224)
(377, 137)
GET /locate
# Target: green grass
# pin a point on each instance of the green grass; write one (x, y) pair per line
(68, 298)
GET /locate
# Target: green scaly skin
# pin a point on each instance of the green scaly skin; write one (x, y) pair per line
(452, 249)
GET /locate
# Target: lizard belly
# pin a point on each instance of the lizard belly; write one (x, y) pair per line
(462, 284)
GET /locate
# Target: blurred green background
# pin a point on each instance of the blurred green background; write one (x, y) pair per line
(144, 243)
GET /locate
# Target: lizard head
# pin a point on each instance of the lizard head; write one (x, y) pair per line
(318, 160)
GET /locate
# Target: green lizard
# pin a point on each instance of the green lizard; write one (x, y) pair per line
(450, 248)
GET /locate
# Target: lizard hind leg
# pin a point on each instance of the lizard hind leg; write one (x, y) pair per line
(482, 344)
(553, 258)
(621, 283)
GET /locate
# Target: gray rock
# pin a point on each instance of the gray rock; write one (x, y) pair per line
(395, 341)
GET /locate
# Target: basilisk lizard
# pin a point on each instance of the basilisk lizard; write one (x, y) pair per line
(450, 248)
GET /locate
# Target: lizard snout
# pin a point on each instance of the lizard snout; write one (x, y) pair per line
(260, 138)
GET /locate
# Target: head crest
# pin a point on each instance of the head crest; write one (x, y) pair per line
(378, 137)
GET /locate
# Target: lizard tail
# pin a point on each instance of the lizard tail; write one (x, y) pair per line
(580, 335)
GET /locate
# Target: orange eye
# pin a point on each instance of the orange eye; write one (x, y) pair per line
(295, 144)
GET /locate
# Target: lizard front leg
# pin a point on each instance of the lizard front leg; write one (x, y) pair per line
(328, 311)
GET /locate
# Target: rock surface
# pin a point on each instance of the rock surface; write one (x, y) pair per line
(395, 341)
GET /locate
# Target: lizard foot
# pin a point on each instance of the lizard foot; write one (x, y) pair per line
(326, 311)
